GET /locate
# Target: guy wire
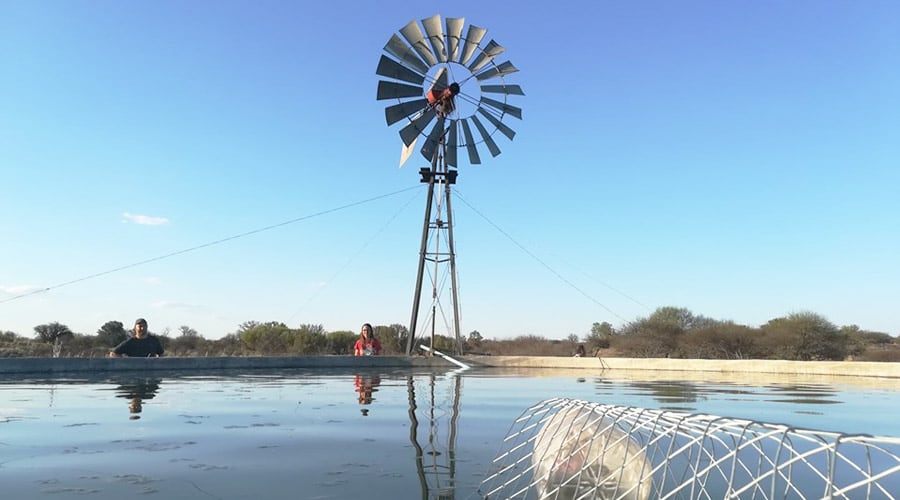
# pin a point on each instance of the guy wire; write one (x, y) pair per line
(208, 244)
(538, 259)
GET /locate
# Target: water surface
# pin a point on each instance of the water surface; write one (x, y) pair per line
(344, 434)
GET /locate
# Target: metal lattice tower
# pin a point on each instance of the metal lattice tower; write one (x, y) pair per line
(575, 449)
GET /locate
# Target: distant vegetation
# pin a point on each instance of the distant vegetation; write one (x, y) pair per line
(669, 332)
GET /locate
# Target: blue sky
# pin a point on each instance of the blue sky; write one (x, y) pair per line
(739, 159)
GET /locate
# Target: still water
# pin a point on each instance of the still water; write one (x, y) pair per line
(346, 434)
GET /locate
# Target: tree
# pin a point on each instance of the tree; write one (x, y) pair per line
(340, 342)
(659, 334)
(229, 345)
(188, 340)
(247, 325)
(600, 336)
(474, 340)
(679, 317)
(53, 333)
(392, 338)
(721, 340)
(444, 343)
(858, 340)
(268, 338)
(804, 336)
(187, 331)
(8, 336)
(112, 333)
(308, 339)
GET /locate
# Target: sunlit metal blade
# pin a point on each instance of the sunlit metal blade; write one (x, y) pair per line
(492, 146)
(398, 48)
(450, 158)
(503, 89)
(505, 108)
(440, 79)
(397, 112)
(508, 132)
(416, 39)
(434, 138)
(435, 32)
(416, 127)
(501, 70)
(473, 38)
(392, 69)
(474, 159)
(393, 90)
(454, 34)
(487, 55)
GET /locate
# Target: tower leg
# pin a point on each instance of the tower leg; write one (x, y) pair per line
(452, 251)
(410, 339)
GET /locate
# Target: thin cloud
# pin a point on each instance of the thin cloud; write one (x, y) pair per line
(144, 220)
(153, 280)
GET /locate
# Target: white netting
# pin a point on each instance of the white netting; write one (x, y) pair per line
(573, 449)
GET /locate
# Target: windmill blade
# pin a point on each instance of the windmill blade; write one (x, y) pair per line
(435, 33)
(450, 157)
(434, 138)
(492, 146)
(474, 159)
(503, 107)
(454, 35)
(413, 35)
(397, 112)
(508, 132)
(393, 90)
(473, 38)
(415, 128)
(392, 69)
(503, 69)
(440, 80)
(503, 89)
(398, 48)
(487, 55)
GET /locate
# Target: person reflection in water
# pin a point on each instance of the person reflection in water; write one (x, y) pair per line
(137, 391)
(365, 386)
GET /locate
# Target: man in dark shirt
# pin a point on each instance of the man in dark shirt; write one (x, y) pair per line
(141, 345)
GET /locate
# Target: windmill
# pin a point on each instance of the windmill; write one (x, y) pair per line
(451, 92)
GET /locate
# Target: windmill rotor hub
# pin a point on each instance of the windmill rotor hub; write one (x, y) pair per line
(449, 88)
(456, 83)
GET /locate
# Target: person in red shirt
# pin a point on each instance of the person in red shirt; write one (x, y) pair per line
(367, 345)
